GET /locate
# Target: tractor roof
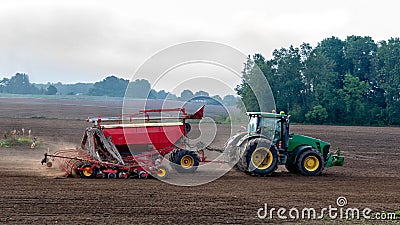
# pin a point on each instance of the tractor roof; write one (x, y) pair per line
(267, 114)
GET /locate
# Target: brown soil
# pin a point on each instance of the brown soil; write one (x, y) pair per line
(29, 193)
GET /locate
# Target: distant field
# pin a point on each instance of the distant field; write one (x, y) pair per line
(70, 97)
(66, 107)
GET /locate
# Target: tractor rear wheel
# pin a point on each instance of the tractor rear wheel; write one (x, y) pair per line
(310, 163)
(232, 151)
(185, 161)
(86, 171)
(259, 157)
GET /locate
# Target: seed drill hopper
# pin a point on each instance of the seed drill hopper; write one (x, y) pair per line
(133, 145)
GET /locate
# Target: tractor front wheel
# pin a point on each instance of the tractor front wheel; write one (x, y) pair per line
(185, 161)
(310, 163)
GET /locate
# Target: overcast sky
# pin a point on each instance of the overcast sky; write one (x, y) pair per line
(85, 41)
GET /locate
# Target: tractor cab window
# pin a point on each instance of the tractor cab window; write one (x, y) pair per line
(278, 128)
(253, 124)
(270, 126)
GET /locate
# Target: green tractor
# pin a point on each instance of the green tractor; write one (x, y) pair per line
(269, 143)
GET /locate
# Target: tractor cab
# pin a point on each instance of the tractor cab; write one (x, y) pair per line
(272, 126)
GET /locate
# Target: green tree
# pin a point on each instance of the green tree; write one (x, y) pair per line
(254, 91)
(289, 87)
(317, 115)
(162, 94)
(19, 84)
(110, 86)
(229, 100)
(217, 98)
(360, 51)
(388, 79)
(244, 90)
(3, 84)
(333, 49)
(356, 81)
(152, 94)
(140, 88)
(355, 94)
(320, 80)
(51, 90)
(186, 95)
(201, 93)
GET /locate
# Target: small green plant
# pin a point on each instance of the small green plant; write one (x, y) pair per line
(18, 137)
(15, 141)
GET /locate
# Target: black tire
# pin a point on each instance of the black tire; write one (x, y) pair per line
(241, 165)
(260, 157)
(172, 156)
(232, 151)
(188, 128)
(74, 171)
(314, 167)
(86, 172)
(292, 167)
(185, 161)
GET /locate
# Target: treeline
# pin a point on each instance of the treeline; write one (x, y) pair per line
(111, 86)
(114, 86)
(68, 89)
(19, 84)
(354, 81)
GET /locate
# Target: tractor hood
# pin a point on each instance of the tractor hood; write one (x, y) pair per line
(297, 140)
